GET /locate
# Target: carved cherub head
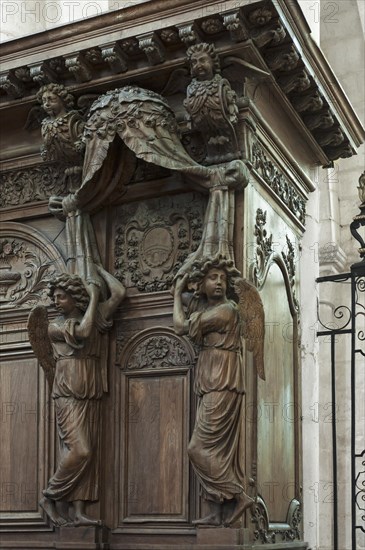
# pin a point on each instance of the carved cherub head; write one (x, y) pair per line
(205, 269)
(68, 293)
(55, 99)
(204, 61)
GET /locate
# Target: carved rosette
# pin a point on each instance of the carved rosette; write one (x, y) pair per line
(279, 184)
(155, 238)
(157, 348)
(31, 185)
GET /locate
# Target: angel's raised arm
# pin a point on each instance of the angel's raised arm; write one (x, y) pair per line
(117, 293)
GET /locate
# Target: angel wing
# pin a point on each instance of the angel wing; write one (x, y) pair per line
(40, 342)
(253, 321)
(177, 82)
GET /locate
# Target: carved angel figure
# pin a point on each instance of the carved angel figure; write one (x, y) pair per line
(69, 350)
(217, 326)
(61, 129)
(211, 104)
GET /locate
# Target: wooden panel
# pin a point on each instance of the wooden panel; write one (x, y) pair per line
(156, 470)
(23, 450)
(276, 402)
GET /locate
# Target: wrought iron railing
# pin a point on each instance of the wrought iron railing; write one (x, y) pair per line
(351, 321)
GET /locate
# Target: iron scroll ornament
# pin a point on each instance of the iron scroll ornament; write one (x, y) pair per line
(359, 220)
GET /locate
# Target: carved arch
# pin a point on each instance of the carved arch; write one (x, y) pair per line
(27, 261)
(157, 348)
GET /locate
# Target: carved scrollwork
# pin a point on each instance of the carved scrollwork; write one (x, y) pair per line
(78, 67)
(289, 259)
(157, 348)
(155, 239)
(31, 184)
(115, 57)
(269, 532)
(277, 182)
(266, 256)
(152, 46)
(26, 266)
(234, 24)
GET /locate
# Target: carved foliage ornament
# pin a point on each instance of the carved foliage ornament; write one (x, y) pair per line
(31, 185)
(278, 183)
(155, 239)
(24, 274)
(266, 256)
(158, 352)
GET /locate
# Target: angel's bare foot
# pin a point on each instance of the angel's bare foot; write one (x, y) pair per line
(214, 518)
(243, 502)
(49, 507)
(81, 518)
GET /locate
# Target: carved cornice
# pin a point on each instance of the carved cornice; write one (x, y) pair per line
(278, 183)
(271, 38)
(31, 184)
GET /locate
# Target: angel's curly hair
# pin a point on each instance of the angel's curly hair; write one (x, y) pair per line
(72, 285)
(209, 49)
(201, 268)
(60, 90)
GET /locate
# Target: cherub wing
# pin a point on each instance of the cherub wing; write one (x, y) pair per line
(40, 342)
(253, 321)
(177, 82)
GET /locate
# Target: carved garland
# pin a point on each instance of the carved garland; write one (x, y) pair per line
(281, 186)
(31, 185)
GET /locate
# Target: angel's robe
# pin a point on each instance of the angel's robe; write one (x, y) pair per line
(77, 391)
(219, 382)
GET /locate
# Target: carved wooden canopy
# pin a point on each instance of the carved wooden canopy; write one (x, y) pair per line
(95, 54)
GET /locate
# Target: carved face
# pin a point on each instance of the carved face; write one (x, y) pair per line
(215, 284)
(53, 104)
(64, 302)
(202, 66)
